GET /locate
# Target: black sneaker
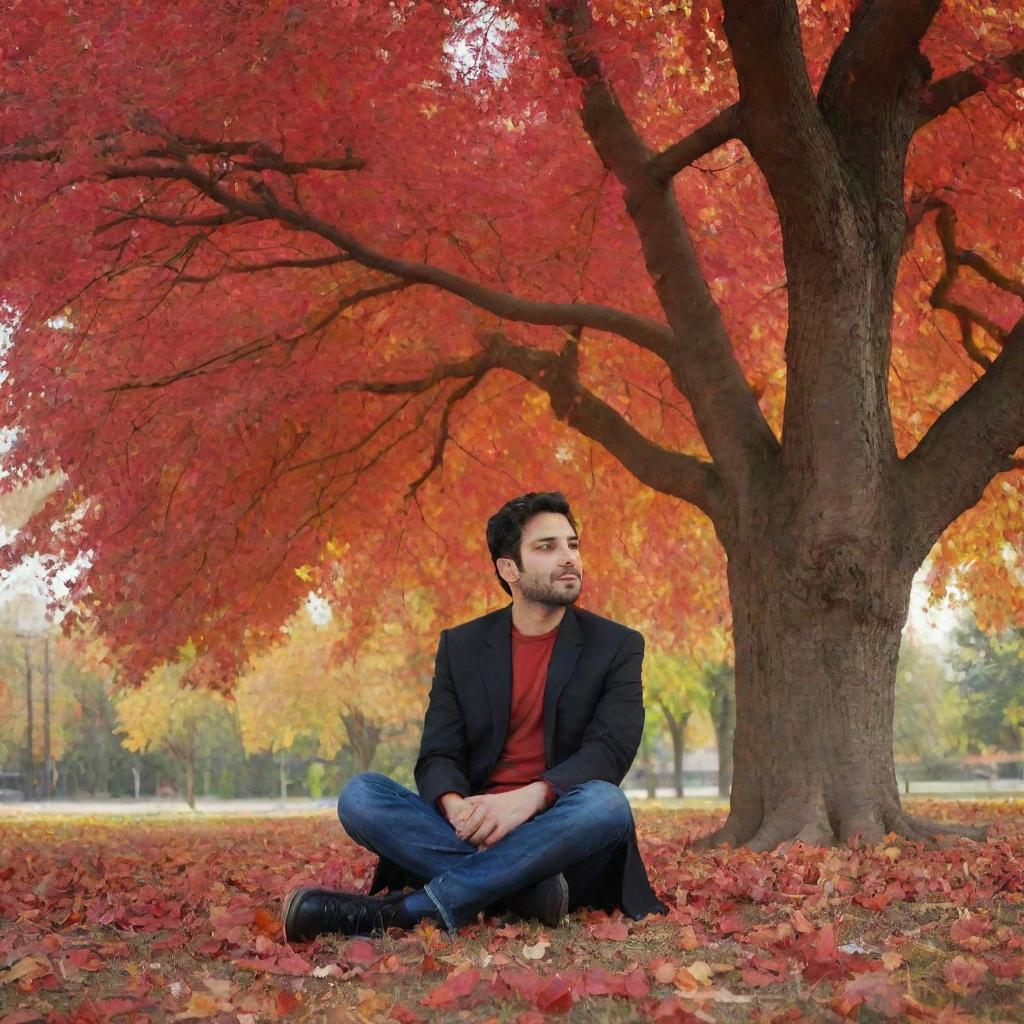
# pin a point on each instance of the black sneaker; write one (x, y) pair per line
(309, 911)
(546, 901)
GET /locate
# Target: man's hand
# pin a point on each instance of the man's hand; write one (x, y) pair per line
(454, 808)
(486, 819)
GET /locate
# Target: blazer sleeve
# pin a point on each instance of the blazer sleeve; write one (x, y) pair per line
(441, 765)
(612, 738)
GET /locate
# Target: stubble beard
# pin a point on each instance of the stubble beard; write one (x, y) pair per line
(549, 593)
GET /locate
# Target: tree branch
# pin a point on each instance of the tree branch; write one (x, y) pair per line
(254, 268)
(259, 156)
(870, 94)
(719, 130)
(782, 125)
(700, 358)
(972, 441)
(953, 259)
(683, 476)
(952, 90)
(252, 348)
(642, 330)
(443, 432)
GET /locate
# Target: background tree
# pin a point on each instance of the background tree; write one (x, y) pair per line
(989, 674)
(928, 726)
(727, 244)
(672, 685)
(164, 715)
(308, 688)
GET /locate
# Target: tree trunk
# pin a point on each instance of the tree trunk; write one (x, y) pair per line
(30, 761)
(190, 783)
(137, 778)
(817, 632)
(650, 774)
(721, 681)
(364, 737)
(677, 730)
(47, 749)
(282, 773)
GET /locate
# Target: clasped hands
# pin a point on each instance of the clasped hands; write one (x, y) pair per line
(487, 818)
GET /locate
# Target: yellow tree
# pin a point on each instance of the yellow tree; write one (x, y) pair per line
(164, 715)
(313, 687)
(673, 685)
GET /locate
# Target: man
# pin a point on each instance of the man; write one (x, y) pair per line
(535, 715)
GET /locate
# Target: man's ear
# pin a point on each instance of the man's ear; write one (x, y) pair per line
(508, 570)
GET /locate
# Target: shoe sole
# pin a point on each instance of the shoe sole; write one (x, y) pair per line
(292, 900)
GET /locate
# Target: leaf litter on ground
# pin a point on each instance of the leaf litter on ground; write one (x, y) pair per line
(114, 919)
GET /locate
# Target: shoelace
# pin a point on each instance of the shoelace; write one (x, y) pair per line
(341, 915)
(352, 915)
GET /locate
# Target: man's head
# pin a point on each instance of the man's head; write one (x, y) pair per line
(535, 549)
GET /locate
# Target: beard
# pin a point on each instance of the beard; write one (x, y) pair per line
(548, 591)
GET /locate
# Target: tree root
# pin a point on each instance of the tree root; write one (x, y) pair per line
(924, 831)
(808, 822)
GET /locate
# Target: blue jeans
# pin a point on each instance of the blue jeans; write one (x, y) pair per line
(578, 835)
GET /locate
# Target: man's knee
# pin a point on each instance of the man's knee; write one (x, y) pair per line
(359, 797)
(607, 806)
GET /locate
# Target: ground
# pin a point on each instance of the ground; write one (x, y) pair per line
(113, 918)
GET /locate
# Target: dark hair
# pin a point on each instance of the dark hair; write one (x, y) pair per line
(505, 527)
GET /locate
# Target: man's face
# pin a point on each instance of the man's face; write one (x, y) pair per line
(552, 570)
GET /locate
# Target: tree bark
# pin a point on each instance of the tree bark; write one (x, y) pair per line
(817, 630)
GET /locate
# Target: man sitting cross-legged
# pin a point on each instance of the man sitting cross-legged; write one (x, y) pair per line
(535, 715)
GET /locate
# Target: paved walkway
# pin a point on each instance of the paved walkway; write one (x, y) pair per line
(1002, 789)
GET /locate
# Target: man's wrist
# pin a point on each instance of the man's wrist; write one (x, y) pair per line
(446, 801)
(545, 793)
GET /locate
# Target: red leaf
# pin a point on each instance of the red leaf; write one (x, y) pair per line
(731, 923)
(967, 931)
(672, 1011)
(1012, 967)
(293, 964)
(287, 1002)
(877, 902)
(556, 996)
(876, 991)
(404, 1015)
(359, 951)
(611, 930)
(267, 923)
(452, 992)
(964, 975)
(757, 979)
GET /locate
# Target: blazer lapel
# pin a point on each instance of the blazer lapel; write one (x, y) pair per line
(563, 660)
(496, 671)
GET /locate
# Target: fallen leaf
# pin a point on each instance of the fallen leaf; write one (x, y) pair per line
(964, 975)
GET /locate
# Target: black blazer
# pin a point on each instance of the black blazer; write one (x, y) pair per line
(593, 721)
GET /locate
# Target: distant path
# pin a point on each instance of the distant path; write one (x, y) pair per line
(696, 796)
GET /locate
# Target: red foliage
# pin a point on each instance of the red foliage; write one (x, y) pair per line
(208, 418)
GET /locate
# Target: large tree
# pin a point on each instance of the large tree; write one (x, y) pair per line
(266, 261)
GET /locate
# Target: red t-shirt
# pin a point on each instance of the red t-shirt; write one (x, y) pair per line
(522, 757)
